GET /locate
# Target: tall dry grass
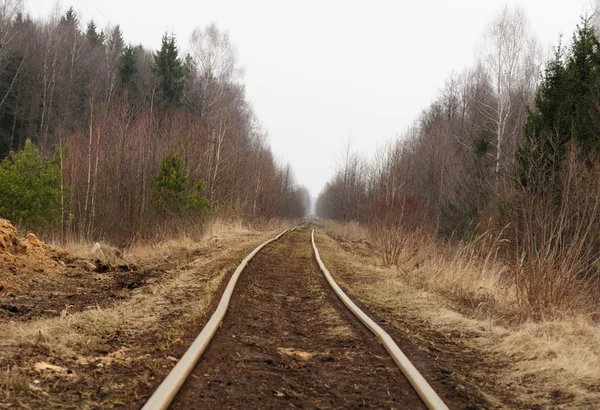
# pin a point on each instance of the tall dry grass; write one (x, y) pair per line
(539, 257)
(557, 242)
(477, 274)
(351, 231)
(466, 292)
(470, 273)
(218, 226)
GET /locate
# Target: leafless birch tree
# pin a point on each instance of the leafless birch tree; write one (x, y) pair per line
(507, 58)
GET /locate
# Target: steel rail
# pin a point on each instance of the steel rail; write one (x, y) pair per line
(423, 389)
(165, 393)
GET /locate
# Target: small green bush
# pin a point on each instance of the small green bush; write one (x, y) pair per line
(30, 191)
(170, 193)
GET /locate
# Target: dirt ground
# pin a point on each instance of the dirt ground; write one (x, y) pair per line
(287, 341)
(476, 372)
(80, 339)
(451, 301)
(38, 281)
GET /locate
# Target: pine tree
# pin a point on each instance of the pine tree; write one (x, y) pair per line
(583, 77)
(128, 67)
(115, 42)
(170, 192)
(564, 111)
(189, 68)
(92, 35)
(547, 127)
(169, 185)
(70, 17)
(10, 122)
(30, 189)
(169, 70)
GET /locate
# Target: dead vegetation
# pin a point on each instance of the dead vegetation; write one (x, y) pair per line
(498, 223)
(549, 361)
(110, 351)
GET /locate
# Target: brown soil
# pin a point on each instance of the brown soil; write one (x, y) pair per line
(108, 363)
(39, 281)
(287, 341)
(20, 255)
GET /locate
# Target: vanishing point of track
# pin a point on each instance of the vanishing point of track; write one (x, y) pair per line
(301, 348)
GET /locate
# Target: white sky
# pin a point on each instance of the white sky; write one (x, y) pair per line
(320, 72)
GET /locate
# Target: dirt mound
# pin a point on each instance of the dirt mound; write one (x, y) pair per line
(22, 258)
(9, 241)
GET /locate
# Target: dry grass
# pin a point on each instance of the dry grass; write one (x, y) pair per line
(84, 333)
(351, 231)
(552, 363)
(461, 272)
(12, 380)
(562, 355)
(215, 229)
(274, 224)
(218, 227)
(334, 324)
(87, 337)
(162, 310)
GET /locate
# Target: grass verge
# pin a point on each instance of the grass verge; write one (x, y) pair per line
(456, 303)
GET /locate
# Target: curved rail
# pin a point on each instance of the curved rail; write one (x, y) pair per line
(165, 393)
(424, 390)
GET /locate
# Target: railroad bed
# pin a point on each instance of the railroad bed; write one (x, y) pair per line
(288, 341)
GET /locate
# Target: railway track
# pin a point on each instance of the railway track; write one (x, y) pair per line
(290, 342)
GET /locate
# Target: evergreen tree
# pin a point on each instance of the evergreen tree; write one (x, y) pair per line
(169, 70)
(30, 188)
(583, 77)
(190, 69)
(170, 192)
(128, 67)
(564, 110)
(115, 42)
(92, 34)
(70, 17)
(547, 127)
(10, 122)
(169, 185)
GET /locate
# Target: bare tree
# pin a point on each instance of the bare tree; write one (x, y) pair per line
(9, 9)
(595, 15)
(506, 57)
(59, 88)
(216, 61)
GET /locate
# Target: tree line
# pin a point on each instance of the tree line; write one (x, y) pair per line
(129, 139)
(509, 148)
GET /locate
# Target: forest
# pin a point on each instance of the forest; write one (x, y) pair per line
(100, 138)
(144, 209)
(506, 159)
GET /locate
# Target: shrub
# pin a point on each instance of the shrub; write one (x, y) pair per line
(170, 193)
(556, 239)
(30, 188)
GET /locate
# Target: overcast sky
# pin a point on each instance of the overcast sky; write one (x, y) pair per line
(321, 72)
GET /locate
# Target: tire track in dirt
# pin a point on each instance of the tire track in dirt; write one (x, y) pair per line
(287, 341)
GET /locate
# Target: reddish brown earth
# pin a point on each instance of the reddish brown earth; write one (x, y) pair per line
(287, 341)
